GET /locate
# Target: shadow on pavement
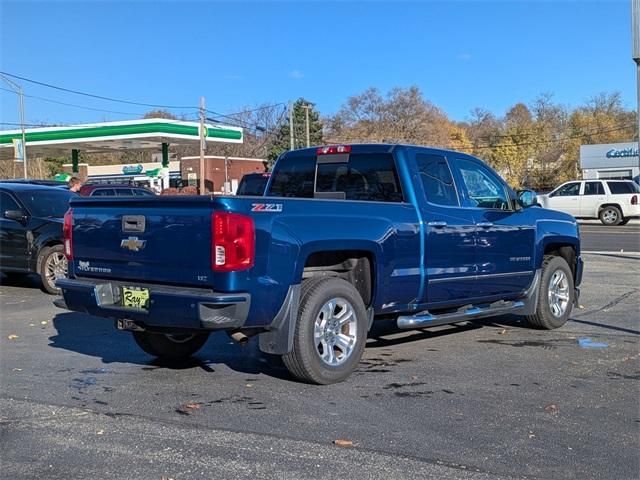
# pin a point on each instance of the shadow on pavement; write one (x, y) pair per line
(98, 337)
(22, 280)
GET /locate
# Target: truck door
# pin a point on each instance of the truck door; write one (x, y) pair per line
(449, 255)
(504, 237)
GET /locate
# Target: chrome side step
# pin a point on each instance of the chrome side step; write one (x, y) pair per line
(469, 312)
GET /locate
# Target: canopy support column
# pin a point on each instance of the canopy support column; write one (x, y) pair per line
(75, 155)
(165, 155)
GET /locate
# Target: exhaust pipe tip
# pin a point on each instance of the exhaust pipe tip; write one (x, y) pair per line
(239, 337)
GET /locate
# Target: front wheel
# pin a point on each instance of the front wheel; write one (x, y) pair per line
(52, 266)
(556, 296)
(330, 332)
(170, 347)
(610, 215)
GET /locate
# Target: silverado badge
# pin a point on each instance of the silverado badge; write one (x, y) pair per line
(133, 243)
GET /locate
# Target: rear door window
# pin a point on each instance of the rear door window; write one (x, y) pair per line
(124, 192)
(437, 180)
(593, 188)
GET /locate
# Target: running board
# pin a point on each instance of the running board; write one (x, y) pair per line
(469, 312)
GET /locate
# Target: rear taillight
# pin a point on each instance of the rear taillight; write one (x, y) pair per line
(233, 241)
(634, 200)
(67, 234)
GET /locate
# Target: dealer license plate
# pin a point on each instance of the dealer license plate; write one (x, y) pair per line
(133, 297)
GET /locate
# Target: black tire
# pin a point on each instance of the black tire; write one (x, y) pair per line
(305, 361)
(170, 347)
(610, 215)
(52, 264)
(624, 221)
(545, 318)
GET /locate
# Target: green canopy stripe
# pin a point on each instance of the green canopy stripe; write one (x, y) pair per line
(117, 130)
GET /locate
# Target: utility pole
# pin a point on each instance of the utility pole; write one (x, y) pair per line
(18, 89)
(291, 124)
(306, 119)
(202, 145)
(635, 33)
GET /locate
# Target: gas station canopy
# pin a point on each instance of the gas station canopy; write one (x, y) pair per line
(144, 134)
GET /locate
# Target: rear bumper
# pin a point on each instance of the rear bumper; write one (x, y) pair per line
(169, 307)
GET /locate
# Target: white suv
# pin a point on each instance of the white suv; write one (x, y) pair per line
(614, 202)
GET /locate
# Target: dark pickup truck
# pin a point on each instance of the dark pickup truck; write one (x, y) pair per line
(343, 235)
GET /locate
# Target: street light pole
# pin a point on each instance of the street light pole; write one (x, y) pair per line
(18, 89)
(202, 140)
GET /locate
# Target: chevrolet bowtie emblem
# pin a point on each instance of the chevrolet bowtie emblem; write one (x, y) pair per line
(133, 243)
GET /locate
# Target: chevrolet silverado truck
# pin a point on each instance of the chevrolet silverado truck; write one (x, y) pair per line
(343, 235)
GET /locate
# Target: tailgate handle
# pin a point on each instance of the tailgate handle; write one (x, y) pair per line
(133, 223)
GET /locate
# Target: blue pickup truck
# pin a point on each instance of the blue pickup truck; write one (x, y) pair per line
(344, 235)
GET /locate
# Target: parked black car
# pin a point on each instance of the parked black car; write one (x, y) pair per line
(31, 218)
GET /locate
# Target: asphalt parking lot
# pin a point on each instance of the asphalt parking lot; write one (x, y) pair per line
(492, 399)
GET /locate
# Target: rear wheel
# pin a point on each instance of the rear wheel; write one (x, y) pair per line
(610, 215)
(330, 332)
(170, 347)
(52, 266)
(556, 296)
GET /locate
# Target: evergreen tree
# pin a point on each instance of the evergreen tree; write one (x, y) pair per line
(282, 142)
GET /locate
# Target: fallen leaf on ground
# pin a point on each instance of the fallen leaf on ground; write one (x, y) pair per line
(502, 332)
(43, 322)
(12, 337)
(343, 443)
(17, 369)
(100, 432)
(531, 434)
(193, 406)
(551, 408)
(248, 385)
(581, 307)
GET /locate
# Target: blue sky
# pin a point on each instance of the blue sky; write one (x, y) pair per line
(237, 54)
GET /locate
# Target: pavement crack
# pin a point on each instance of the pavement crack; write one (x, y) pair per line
(611, 304)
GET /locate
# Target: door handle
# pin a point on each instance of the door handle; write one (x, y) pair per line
(437, 224)
(484, 224)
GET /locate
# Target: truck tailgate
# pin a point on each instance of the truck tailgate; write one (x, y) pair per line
(156, 239)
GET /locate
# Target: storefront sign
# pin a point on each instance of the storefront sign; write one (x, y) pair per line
(132, 169)
(625, 152)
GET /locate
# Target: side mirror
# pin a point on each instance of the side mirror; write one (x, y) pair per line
(17, 215)
(527, 198)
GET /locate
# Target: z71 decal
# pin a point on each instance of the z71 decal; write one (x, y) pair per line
(266, 207)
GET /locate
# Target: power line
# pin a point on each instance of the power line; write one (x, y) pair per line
(76, 106)
(109, 99)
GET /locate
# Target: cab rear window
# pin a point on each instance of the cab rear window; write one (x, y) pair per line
(361, 176)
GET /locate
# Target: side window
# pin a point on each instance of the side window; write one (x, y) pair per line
(371, 177)
(103, 192)
(568, 190)
(593, 188)
(293, 177)
(8, 203)
(437, 180)
(138, 192)
(484, 189)
(617, 188)
(123, 192)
